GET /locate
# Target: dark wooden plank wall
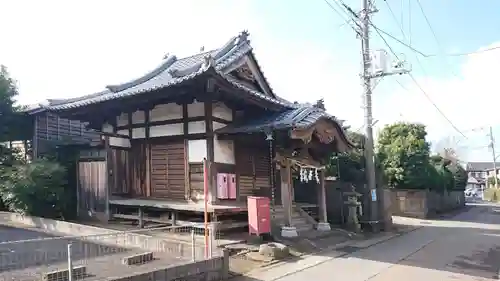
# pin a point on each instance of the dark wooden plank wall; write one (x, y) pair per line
(52, 129)
(167, 170)
(262, 172)
(139, 158)
(159, 171)
(252, 169)
(119, 161)
(92, 186)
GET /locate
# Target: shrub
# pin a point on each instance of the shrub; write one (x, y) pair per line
(404, 155)
(36, 188)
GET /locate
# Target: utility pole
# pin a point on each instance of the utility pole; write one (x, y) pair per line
(364, 22)
(367, 104)
(492, 144)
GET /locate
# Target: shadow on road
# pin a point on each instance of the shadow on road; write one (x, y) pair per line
(467, 243)
(461, 245)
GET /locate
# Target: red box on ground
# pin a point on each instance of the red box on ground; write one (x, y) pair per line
(259, 215)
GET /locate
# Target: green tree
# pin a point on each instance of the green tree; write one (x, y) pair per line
(404, 157)
(36, 188)
(459, 176)
(442, 179)
(8, 109)
(349, 166)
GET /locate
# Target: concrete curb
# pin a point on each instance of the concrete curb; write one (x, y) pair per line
(65, 230)
(374, 241)
(50, 225)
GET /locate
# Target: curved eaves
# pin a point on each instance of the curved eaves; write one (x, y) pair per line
(322, 115)
(341, 130)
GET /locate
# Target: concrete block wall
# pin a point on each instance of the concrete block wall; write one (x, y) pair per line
(424, 203)
(214, 269)
(126, 239)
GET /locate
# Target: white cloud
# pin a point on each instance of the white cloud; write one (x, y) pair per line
(469, 102)
(62, 49)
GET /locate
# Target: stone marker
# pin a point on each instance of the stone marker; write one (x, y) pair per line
(274, 250)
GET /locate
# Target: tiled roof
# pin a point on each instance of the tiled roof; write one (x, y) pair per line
(302, 116)
(480, 166)
(174, 71)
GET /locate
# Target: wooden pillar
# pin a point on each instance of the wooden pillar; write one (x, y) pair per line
(210, 151)
(285, 193)
(185, 130)
(286, 197)
(110, 176)
(147, 147)
(323, 218)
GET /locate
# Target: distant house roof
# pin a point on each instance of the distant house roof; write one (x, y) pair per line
(480, 166)
(173, 71)
(303, 116)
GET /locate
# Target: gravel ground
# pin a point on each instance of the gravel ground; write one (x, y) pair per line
(28, 260)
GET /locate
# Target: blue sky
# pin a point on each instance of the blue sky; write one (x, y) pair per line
(65, 49)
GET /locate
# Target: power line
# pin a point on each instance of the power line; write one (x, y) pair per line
(395, 19)
(433, 104)
(404, 36)
(434, 55)
(410, 74)
(408, 38)
(474, 52)
(409, 21)
(440, 48)
(385, 41)
(400, 42)
(342, 16)
(379, 31)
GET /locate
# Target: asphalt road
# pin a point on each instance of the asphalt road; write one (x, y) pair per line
(38, 253)
(465, 247)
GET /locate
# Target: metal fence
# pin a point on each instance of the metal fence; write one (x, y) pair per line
(94, 257)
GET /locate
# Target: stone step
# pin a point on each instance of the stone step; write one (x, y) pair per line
(293, 219)
(283, 212)
(299, 224)
(303, 228)
(297, 216)
(298, 220)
